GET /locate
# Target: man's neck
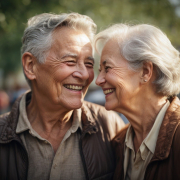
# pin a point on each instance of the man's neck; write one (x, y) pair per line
(50, 125)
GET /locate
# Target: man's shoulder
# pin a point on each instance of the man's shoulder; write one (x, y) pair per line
(3, 118)
(10, 117)
(110, 119)
(99, 110)
(3, 121)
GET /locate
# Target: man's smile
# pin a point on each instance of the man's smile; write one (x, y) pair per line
(74, 87)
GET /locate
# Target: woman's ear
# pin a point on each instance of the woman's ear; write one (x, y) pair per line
(28, 62)
(147, 71)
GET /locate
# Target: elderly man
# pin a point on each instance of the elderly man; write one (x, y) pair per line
(51, 133)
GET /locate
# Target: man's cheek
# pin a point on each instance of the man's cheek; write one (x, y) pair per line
(91, 76)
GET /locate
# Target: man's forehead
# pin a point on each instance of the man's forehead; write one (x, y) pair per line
(71, 42)
(68, 34)
(68, 41)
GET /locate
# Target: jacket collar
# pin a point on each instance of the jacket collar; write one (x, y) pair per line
(9, 129)
(167, 130)
(88, 121)
(118, 146)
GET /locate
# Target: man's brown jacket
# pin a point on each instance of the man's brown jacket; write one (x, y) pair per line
(99, 127)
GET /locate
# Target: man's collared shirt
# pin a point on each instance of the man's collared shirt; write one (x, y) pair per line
(135, 164)
(44, 164)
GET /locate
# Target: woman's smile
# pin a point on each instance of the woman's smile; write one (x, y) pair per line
(108, 91)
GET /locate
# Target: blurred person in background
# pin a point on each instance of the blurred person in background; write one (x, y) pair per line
(4, 102)
(140, 77)
(51, 133)
(16, 91)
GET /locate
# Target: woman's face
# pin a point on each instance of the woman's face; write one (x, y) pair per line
(120, 84)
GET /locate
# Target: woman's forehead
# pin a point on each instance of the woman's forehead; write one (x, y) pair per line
(110, 51)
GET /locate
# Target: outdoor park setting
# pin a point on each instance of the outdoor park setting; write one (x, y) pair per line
(165, 14)
(89, 89)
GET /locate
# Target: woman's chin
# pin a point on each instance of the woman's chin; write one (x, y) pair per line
(108, 107)
(113, 105)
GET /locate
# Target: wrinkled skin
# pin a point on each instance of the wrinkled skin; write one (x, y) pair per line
(69, 62)
(130, 92)
(115, 74)
(59, 84)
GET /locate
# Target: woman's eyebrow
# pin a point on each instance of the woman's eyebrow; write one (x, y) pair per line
(104, 62)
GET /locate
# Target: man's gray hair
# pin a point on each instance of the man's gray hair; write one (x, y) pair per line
(142, 43)
(37, 38)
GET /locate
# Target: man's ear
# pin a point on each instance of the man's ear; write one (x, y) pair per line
(147, 71)
(28, 62)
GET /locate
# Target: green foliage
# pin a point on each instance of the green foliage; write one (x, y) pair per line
(14, 15)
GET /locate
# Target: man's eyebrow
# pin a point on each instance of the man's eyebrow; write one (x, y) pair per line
(91, 58)
(69, 55)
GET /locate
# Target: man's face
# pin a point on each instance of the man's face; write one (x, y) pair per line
(65, 76)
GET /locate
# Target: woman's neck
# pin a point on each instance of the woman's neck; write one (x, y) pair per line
(142, 114)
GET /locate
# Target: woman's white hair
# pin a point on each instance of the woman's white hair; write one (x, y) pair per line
(37, 38)
(140, 43)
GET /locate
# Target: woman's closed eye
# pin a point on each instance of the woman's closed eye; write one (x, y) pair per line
(107, 68)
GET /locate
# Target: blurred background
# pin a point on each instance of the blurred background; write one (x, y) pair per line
(164, 14)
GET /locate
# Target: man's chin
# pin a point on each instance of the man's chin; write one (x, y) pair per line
(75, 105)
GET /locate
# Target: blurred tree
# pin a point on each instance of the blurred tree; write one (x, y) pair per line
(14, 15)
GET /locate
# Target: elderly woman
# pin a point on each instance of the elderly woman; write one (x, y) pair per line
(140, 77)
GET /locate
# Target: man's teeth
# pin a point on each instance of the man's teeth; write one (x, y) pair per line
(73, 87)
(108, 91)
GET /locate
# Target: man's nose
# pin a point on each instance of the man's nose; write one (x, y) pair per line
(81, 72)
(100, 79)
